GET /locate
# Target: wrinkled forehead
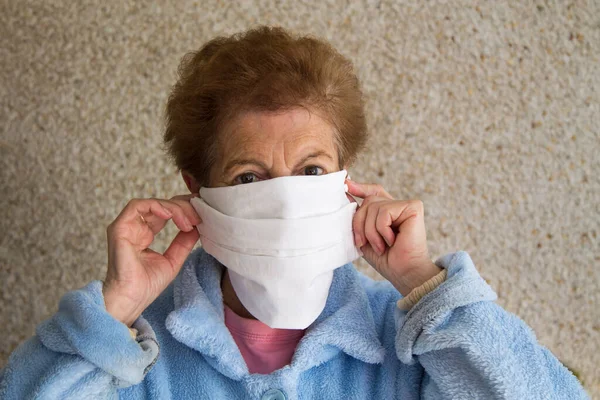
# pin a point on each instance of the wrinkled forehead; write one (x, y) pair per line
(260, 133)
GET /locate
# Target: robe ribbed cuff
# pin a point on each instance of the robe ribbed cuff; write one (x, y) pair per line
(417, 293)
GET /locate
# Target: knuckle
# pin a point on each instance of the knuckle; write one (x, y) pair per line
(415, 207)
(418, 205)
(114, 229)
(169, 205)
(362, 208)
(357, 220)
(161, 202)
(113, 225)
(184, 205)
(132, 203)
(381, 219)
(372, 235)
(368, 200)
(370, 226)
(173, 203)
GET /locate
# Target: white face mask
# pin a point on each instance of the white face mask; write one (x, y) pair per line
(280, 239)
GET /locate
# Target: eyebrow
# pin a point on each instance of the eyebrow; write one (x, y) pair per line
(246, 161)
(319, 153)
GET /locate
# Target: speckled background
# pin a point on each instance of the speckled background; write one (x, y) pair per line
(488, 112)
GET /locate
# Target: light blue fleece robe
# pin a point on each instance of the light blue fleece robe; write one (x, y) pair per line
(455, 343)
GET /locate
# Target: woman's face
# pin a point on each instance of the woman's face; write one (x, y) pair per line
(264, 145)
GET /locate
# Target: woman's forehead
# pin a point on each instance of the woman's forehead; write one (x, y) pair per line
(256, 131)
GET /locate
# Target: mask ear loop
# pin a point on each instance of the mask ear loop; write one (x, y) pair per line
(348, 178)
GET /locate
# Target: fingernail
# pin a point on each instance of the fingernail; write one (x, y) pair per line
(167, 210)
(357, 240)
(380, 250)
(361, 240)
(387, 242)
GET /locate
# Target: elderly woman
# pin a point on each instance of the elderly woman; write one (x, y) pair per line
(263, 126)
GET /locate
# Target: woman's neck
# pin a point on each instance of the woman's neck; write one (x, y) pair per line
(230, 298)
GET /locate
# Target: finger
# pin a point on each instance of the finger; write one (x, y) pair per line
(188, 209)
(364, 190)
(371, 232)
(370, 254)
(179, 215)
(157, 223)
(180, 248)
(358, 226)
(152, 212)
(407, 210)
(412, 227)
(156, 218)
(186, 197)
(137, 224)
(383, 224)
(371, 199)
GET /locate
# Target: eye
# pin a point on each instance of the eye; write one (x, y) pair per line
(313, 170)
(247, 177)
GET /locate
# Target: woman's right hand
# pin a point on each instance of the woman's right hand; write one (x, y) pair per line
(136, 274)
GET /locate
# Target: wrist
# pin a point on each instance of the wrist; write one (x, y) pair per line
(416, 277)
(118, 308)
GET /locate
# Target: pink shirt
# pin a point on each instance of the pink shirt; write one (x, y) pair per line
(264, 349)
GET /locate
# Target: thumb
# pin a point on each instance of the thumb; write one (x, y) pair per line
(181, 247)
(363, 190)
(372, 257)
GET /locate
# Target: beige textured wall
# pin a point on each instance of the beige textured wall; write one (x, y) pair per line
(487, 111)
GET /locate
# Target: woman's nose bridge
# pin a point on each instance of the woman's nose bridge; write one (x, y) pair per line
(279, 172)
(279, 166)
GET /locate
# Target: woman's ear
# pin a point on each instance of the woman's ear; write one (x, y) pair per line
(190, 182)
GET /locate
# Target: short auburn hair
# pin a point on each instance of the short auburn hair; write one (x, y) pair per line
(262, 69)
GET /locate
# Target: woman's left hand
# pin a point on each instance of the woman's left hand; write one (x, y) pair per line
(391, 235)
